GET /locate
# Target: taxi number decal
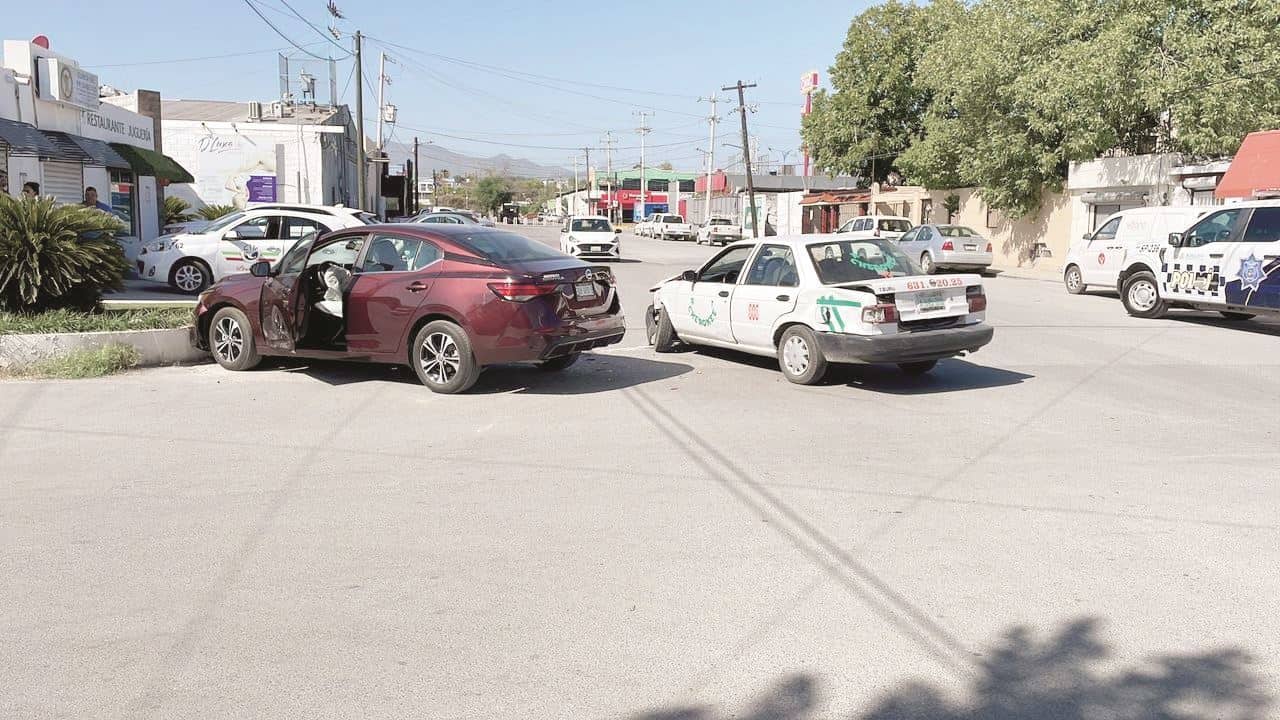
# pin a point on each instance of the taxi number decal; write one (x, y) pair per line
(934, 283)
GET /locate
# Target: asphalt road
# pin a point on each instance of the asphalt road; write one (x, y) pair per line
(1077, 522)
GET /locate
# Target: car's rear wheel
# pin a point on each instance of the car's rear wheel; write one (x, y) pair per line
(661, 333)
(800, 357)
(1073, 280)
(1141, 296)
(918, 368)
(191, 277)
(927, 265)
(557, 364)
(442, 358)
(231, 340)
(1237, 316)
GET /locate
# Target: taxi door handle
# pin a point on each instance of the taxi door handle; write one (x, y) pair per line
(416, 286)
(724, 293)
(783, 298)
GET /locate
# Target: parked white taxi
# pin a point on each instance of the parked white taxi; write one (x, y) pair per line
(811, 300)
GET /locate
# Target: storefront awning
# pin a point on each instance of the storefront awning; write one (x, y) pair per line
(23, 139)
(1256, 168)
(97, 151)
(1113, 197)
(150, 162)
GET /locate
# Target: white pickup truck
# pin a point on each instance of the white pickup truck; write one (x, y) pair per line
(669, 227)
(719, 231)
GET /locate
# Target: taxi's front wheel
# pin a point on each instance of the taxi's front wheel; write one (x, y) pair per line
(1141, 296)
(800, 357)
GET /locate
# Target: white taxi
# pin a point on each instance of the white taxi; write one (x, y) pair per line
(811, 300)
(192, 261)
(1228, 261)
(590, 236)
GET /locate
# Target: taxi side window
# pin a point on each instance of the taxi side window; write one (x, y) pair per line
(726, 267)
(774, 266)
(1107, 232)
(1218, 227)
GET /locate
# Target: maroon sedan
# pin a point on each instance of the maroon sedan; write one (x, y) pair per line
(445, 299)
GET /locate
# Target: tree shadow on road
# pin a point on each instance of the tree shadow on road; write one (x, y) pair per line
(1061, 676)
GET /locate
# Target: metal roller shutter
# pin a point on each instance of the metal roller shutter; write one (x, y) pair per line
(64, 181)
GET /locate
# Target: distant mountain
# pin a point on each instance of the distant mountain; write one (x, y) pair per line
(435, 157)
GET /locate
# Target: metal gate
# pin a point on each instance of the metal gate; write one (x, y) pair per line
(64, 181)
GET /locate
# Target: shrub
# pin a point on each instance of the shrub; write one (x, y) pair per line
(82, 363)
(68, 321)
(56, 256)
(176, 210)
(213, 212)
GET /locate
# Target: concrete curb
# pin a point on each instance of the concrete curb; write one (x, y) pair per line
(156, 347)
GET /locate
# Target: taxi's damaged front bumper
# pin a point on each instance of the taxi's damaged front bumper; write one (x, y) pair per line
(918, 346)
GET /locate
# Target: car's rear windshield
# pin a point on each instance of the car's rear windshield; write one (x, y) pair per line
(591, 225)
(501, 246)
(672, 218)
(894, 225)
(720, 221)
(955, 231)
(846, 261)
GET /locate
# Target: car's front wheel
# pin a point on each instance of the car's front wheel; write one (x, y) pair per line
(660, 331)
(927, 265)
(442, 358)
(231, 340)
(559, 363)
(799, 356)
(191, 276)
(1141, 296)
(1073, 280)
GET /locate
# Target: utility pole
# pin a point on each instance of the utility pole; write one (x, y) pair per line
(416, 173)
(712, 120)
(644, 129)
(360, 179)
(573, 197)
(746, 155)
(587, 151)
(608, 143)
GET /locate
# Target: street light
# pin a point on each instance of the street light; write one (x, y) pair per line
(785, 153)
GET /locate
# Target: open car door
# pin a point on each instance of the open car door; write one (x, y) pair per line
(279, 303)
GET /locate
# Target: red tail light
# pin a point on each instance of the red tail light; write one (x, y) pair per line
(948, 245)
(522, 291)
(881, 313)
(977, 299)
(988, 247)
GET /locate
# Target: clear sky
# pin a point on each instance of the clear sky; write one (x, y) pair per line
(556, 75)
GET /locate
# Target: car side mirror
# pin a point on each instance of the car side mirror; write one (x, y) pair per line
(260, 269)
(689, 276)
(564, 230)
(1175, 239)
(1087, 237)
(617, 231)
(231, 235)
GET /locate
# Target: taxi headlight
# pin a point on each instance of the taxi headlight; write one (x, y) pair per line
(157, 246)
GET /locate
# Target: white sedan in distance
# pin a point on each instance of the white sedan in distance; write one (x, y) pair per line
(591, 236)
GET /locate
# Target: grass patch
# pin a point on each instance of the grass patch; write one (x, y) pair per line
(86, 363)
(62, 321)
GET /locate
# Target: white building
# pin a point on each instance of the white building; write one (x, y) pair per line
(55, 131)
(1098, 188)
(243, 152)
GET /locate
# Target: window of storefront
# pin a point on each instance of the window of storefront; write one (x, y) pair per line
(122, 199)
(1101, 213)
(1204, 197)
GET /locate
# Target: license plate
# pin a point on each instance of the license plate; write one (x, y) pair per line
(584, 291)
(930, 301)
(970, 248)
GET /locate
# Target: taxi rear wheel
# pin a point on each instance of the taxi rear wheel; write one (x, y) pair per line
(800, 357)
(1141, 296)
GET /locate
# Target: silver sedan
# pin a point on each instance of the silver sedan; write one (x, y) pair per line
(953, 247)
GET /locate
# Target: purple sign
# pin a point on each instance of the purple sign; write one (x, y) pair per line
(262, 188)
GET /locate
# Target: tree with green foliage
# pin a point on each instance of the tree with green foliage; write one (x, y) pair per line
(877, 108)
(56, 256)
(491, 192)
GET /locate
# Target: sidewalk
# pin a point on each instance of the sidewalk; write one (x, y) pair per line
(1046, 271)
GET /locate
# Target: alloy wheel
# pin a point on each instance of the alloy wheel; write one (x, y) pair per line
(795, 355)
(440, 359)
(228, 340)
(189, 277)
(1073, 279)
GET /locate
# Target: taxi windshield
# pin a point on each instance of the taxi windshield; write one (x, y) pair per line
(591, 225)
(224, 222)
(846, 261)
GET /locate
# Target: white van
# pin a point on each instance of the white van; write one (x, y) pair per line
(1098, 257)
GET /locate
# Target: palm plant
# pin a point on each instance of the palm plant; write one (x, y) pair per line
(56, 256)
(176, 210)
(213, 212)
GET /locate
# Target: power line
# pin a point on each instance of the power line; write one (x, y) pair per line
(319, 32)
(279, 32)
(193, 59)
